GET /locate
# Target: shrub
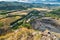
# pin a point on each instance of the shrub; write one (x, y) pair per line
(1, 24)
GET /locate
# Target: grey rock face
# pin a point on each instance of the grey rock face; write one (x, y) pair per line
(44, 24)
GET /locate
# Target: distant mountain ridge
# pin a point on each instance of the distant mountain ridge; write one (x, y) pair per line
(18, 5)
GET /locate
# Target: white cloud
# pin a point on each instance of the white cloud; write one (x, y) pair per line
(23, 0)
(27, 0)
(8, 0)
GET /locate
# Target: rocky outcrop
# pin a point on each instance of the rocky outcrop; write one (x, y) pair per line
(45, 23)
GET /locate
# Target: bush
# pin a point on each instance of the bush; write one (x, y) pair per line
(1, 24)
(3, 13)
(27, 25)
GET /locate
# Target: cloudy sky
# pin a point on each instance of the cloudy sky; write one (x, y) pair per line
(8, 0)
(29, 0)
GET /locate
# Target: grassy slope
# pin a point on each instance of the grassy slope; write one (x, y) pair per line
(24, 34)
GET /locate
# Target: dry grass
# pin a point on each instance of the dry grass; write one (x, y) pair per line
(6, 21)
(22, 34)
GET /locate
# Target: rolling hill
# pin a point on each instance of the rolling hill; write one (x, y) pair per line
(20, 5)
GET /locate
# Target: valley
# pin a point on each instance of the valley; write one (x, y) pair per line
(34, 21)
